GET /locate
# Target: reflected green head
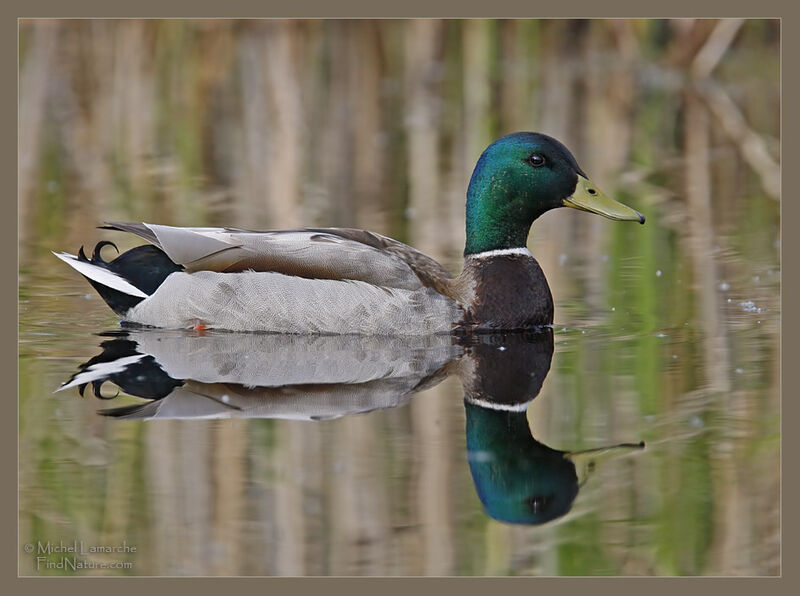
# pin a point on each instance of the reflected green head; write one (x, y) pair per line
(518, 479)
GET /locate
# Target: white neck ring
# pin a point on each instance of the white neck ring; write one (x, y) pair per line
(501, 253)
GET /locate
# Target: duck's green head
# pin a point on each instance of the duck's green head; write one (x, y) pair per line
(519, 177)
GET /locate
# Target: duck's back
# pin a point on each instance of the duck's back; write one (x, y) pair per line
(313, 253)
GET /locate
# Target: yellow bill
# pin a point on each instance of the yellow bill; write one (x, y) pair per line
(586, 460)
(587, 197)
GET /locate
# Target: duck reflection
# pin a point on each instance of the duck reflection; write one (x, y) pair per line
(225, 375)
(517, 478)
(228, 375)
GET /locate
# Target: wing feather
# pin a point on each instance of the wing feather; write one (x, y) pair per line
(316, 253)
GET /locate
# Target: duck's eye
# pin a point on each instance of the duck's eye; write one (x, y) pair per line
(536, 160)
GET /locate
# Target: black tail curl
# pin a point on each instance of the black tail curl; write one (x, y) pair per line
(144, 378)
(145, 267)
(96, 258)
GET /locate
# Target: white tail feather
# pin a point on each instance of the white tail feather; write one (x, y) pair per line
(100, 274)
(101, 370)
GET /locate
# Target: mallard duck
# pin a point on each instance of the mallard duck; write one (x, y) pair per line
(342, 280)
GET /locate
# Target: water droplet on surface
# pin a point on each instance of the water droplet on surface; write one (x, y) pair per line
(226, 398)
(658, 273)
(502, 348)
(749, 306)
(724, 286)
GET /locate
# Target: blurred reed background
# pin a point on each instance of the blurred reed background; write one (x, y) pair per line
(377, 124)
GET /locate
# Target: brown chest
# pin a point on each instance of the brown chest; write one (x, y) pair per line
(505, 292)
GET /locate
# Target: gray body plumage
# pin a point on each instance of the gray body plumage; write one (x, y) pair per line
(320, 281)
(274, 302)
